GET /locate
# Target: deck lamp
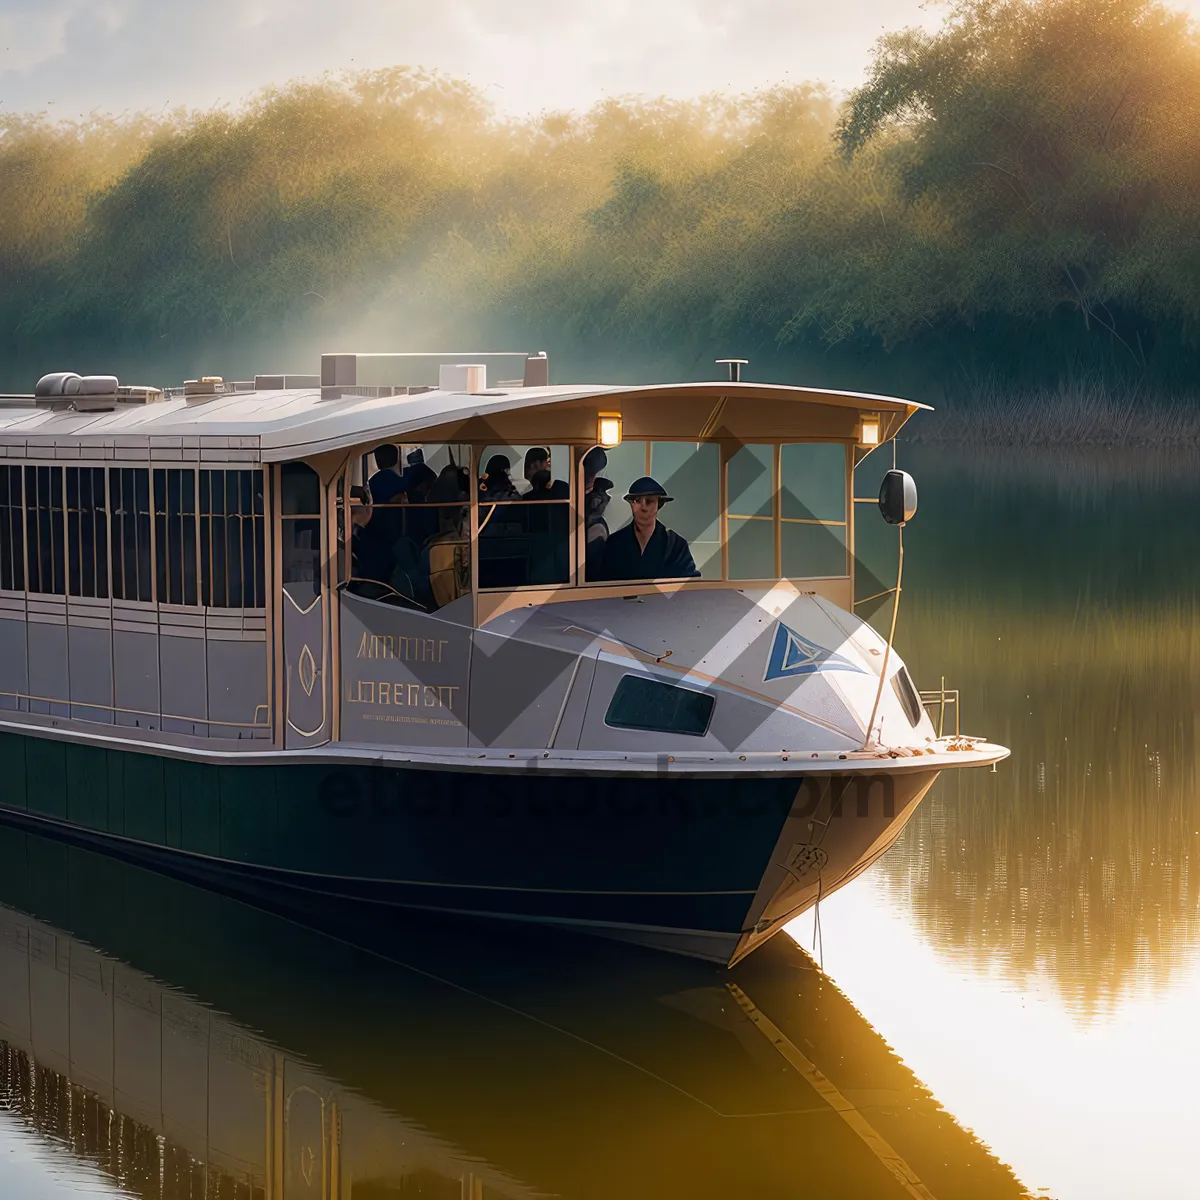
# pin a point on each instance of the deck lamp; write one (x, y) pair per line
(608, 429)
(869, 435)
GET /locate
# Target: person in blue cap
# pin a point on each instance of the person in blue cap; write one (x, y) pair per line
(646, 548)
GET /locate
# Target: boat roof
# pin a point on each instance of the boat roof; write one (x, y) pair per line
(285, 424)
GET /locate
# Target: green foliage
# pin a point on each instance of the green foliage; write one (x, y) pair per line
(1060, 139)
(1017, 188)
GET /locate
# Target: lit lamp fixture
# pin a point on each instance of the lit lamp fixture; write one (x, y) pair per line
(608, 429)
(870, 430)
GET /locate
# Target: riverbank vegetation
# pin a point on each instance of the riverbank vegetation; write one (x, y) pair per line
(1014, 194)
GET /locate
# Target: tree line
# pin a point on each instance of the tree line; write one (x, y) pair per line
(1016, 191)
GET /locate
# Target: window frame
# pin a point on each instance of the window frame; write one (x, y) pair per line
(12, 513)
(727, 449)
(655, 681)
(114, 539)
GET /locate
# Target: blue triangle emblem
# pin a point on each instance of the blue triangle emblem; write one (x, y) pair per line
(792, 654)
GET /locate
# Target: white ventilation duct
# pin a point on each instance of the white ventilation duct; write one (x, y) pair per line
(54, 383)
(462, 377)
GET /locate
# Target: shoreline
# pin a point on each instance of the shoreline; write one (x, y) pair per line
(1085, 414)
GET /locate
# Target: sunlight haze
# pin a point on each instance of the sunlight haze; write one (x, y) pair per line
(69, 56)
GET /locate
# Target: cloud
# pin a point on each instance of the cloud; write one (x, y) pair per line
(527, 55)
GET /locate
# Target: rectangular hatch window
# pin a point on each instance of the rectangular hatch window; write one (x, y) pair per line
(657, 707)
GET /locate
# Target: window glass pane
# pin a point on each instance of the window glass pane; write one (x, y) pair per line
(875, 542)
(623, 464)
(175, 535)
(232, 571)
(260, 561)
(301, 490)
(74, 536)
(604, 510)
(187, 522)
(163, 558)
(813, 478)
(525, 472)
(232, 541)
(813, 551)
(87, 551)
(12, 533)
(141, 501)
(908, 696)
(691, 475)
(31, 529)
(301, 555)
(751, 548)
(401, 495)
(417, 543)
(212, 499)
(45, 528)
(94, 548)
(525, 520)
(649, 704)
(129, 500)
(751, 481)
(58, 529)
(615, 552)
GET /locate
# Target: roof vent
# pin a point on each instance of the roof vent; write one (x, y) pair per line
(53, 384)
(207, 385)
(90, 393)
(462, 377)
(102, 393)
(735, 366)
(537, 370)
(139, 395)
(92, 385)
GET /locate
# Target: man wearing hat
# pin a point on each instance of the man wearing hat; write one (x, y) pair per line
(645, 548)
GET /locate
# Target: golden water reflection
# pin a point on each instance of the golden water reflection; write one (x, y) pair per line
(1074, 861)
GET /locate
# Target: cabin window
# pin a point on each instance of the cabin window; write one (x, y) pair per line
(524, 516)
(87, 532)
(232, 539)
(175, 535)
(787, 511)
(12, 532)
(691, 473)
(750, 483)
(907, 694)
(657, 707)
(45, 530)
(129, 505)
(688, 473)
(604, 509)
(300, 490)
(415, 539)
(300, 506)
(812, 498)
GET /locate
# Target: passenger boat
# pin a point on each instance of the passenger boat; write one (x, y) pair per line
(218, 659)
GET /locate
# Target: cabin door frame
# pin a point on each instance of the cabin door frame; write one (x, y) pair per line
(303, 596)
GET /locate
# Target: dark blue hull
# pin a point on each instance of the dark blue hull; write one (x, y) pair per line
(681, 859)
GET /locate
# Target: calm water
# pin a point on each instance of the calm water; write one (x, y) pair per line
(1009, 1000)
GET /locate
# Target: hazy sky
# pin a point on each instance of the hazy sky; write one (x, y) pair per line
(69, 56)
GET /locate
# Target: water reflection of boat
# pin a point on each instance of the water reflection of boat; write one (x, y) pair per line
(215, 656)
(283, 1063)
